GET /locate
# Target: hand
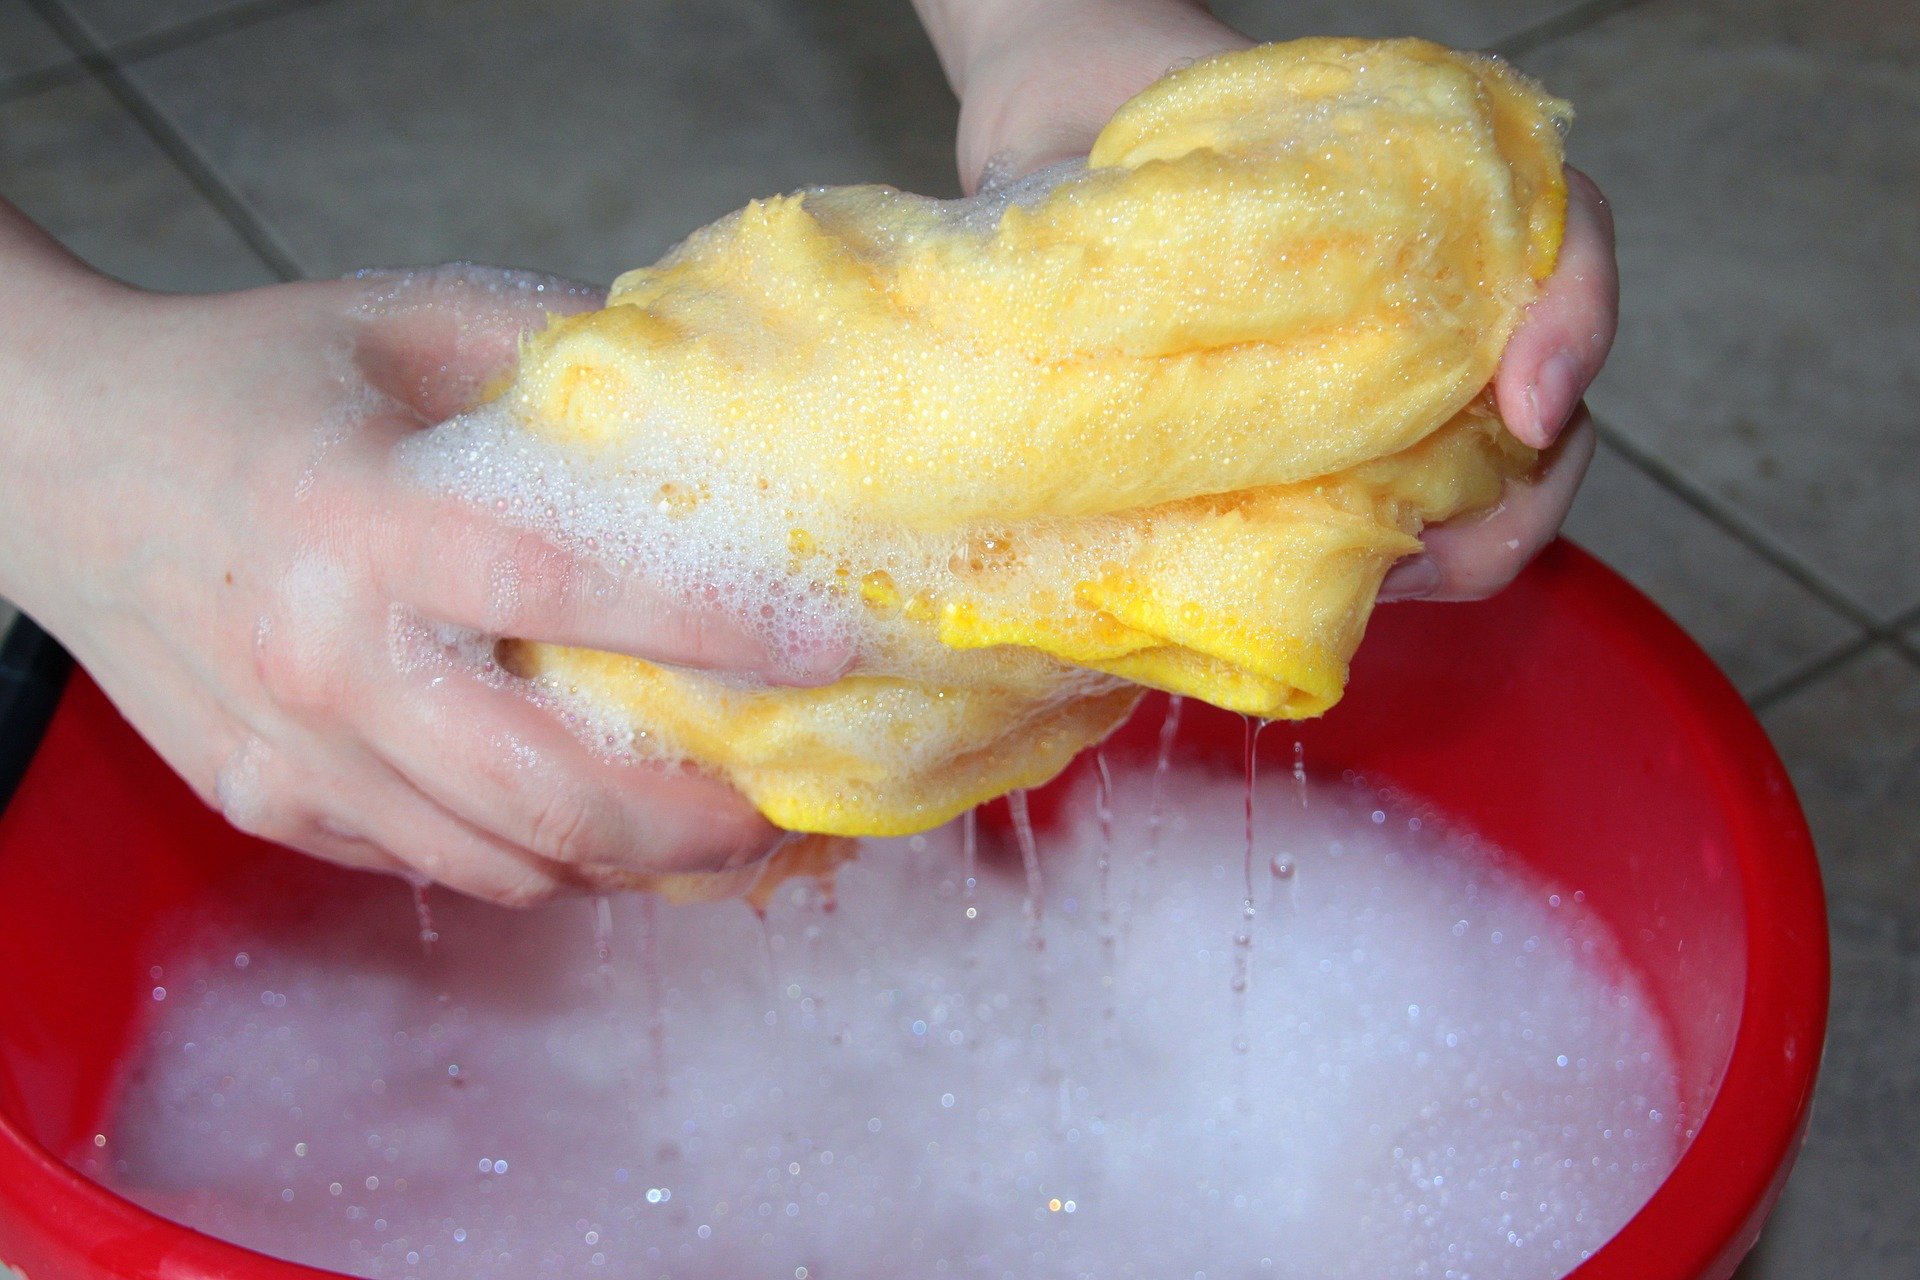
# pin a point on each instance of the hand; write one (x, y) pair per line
(202, 507)
(1039, 78)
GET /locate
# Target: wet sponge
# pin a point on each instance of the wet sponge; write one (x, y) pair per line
(1162, 419)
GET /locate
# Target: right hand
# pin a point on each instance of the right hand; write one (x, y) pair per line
(200, 513)
(1039, 79)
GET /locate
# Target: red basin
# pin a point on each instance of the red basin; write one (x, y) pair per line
(1568, 721)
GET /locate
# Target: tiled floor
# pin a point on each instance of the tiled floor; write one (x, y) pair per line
(1761, 472)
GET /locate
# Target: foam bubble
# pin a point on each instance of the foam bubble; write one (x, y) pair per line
(357, 405)
(239, 787)
(314, 602)
(1444, 1074)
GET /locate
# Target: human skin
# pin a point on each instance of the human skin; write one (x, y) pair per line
(234, 561)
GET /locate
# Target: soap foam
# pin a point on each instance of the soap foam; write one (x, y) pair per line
(1446, 1073)
(239, 788)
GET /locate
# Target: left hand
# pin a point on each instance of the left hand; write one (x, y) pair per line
(1038, 79)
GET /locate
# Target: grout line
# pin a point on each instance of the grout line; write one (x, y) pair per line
(1565, 23)
(1741, 528)
(152, 44)
(224, 197)
(193, 30)
(39, 80)
(1782, 687)
(1907, 647)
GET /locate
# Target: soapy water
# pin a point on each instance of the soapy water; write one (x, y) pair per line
(1445, 1073)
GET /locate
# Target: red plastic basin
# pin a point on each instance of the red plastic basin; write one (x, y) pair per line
(1568, 721)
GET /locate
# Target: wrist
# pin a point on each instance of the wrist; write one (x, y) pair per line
(57, 320)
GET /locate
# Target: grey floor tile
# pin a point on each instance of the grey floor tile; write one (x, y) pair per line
(26, 43)
(1764, 167)
(82, 168)
(112, 21)
(1848, 1209)
(1465, 24)
(584, 139)
(1887, 31)
(1852, 742)
(1756, 622)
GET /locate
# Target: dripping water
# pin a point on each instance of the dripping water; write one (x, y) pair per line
(1103, 814)
(423, 913)
(603, 937)
(1034, 908)
(616, 1006)
(1281, 869)
(1169, 729)
(1243, 938)
(1035, 905)
(772, 965)
(969, 860)
(656, 995)
(1156, 803)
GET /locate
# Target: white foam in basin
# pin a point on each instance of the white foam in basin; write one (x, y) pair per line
(1443, 1074)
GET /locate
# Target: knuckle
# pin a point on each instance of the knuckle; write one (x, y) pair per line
(530, 583)
(302, 641)
(334, 843)
(252, 792)
(519, 884)
(1492, 575)
(529, 888)
(294, 675)
(567, 827)
(726, 837)
(695, 633)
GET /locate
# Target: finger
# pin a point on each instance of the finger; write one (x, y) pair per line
(401, 834)
(436, 339)
(349, 808)
(1568, 330)
(459, 564)
(1476, 557)
(507, 767)
(394, 828)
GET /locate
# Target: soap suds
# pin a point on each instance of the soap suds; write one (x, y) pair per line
(239, 789)
(1446, 1073)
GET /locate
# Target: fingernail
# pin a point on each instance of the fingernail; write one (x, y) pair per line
(808, 656)
(1556, 389)
(827, 666)
(1413, 579)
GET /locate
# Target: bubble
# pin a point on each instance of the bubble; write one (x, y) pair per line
(239, 787)
(1383, 1067)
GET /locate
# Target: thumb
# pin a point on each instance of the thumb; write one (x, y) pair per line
(1047, 86)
